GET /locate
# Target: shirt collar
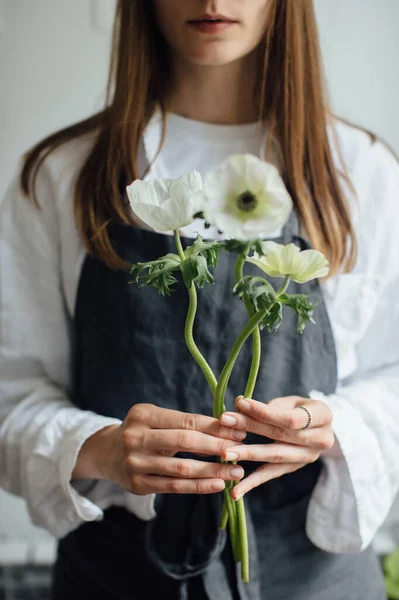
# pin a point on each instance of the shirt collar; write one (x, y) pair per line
(152, 138)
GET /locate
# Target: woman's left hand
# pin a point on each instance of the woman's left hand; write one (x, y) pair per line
(282, 421)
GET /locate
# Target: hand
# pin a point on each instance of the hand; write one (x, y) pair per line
(138, 455)
(279, 420)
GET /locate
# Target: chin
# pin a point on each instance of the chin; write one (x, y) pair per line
(213, 57)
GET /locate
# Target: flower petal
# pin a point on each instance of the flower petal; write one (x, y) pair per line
(265, 266)
(228, 223)
(313, 264)
(270, 262)
(242, 173)
(154, 216)
(220, 184)
(187, 185)
(264, 176)
(147, 192)
(281, 260)
(288, 260)
(166, 204)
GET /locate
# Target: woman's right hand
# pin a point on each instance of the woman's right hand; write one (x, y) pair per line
(139, 454)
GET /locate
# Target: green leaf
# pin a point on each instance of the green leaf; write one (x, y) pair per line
(237, 247)
(303, 308)
(198, 258)
(157, 273)
(195, 269)
(257, 289)
(273, 318)
(209, 250)
(257, 246)
(263, 297)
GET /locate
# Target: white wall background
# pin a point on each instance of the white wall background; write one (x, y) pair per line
(53, 67)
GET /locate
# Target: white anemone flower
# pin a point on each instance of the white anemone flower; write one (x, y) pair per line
(166, 204)
(290, 261)
(245, 197)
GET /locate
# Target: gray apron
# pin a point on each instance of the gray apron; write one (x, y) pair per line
(129, 348)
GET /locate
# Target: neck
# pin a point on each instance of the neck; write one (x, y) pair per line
(215, 94)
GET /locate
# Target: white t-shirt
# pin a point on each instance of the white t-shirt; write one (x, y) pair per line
(195, 145)
(41, 256)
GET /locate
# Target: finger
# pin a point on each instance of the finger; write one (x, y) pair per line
(183, 441)
(149, 484)
(297, 418)
(156, 417)
(185, 468)
(262, 475)
(283, 402)
(321, 438)
(292, 417)
(272, 453)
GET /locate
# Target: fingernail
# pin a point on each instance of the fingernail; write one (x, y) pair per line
(231, 456)
(239, 496)
(227, 420)
(218, 486)
(243, 405)
(239, 435)
(237, 472)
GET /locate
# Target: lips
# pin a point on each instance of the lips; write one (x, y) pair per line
(212, 23)
(212, 18)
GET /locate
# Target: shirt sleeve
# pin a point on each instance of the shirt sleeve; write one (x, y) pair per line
(355, 491)
(41, 431)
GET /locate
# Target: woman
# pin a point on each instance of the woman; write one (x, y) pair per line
(95, 412)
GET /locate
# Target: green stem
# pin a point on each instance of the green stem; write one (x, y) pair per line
(179, 246)
(284, 286)
(225, 516)
(242, 540)
(233, 521)
(188, 329)
(242, 534)
(229, 510)
(256, 341)
(256, 352)
(239, 266)
(238, 532)
(241, 339)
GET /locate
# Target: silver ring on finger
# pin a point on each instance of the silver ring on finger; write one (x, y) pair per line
(310, 418)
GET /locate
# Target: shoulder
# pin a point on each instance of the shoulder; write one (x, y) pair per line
(368, 162)
(63, 165)
(373, 171)
(56, 174)
(54, 190)
(362, 155)
(54, 187)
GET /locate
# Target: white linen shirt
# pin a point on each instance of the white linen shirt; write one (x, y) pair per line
(41, 431)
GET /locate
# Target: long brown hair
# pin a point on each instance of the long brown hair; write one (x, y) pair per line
(292, 102)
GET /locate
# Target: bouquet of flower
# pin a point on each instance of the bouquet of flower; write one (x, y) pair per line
(245, 198)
